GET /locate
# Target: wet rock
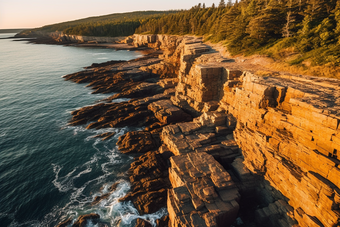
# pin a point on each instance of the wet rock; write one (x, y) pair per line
(65, 223)
(138, 142)
(98, 199)
(88, 113)
(132, 113)
(105, 136)
(96, 65)
(117, 77)
(83, 220)
(149, 179)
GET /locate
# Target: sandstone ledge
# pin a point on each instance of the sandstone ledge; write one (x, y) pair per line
(228, 136)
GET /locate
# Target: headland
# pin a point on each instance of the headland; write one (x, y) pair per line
(222, 144)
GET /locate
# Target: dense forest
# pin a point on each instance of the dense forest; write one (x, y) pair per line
(118, 24)
(308, 27)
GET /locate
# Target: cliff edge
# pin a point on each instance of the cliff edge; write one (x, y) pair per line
(223, 145)
(285, 125)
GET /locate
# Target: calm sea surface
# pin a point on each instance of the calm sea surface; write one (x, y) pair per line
(50, 171)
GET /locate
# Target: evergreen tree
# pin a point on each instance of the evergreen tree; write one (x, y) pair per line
(227, 21)
(221, 4)
(268, 24)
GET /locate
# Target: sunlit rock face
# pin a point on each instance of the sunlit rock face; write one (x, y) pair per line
(221, 142)
(288, 132)
(277, 137)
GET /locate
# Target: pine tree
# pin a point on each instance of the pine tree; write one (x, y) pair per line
(268, 24)
(227, 21)
(221, 4)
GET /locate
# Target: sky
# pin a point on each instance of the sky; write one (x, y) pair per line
(37, 13)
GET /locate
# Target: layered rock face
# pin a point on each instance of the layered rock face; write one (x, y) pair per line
(287, 129)
(203, 193)
(288, 132)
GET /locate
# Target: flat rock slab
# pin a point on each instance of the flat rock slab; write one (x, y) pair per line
(167, 113)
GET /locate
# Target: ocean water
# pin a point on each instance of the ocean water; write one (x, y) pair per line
(50, 171)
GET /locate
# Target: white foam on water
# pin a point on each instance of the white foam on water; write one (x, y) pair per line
(128, 213)
(2, 134)
(113, 160)
(81, 196)
(109, 209)
(63, 184)
(121, 100)
(78, 129)
(88, 170)
(124, 212)
(101, 131)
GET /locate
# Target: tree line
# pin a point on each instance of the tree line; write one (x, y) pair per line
(117, 24)
(310, 27)
(248, 26)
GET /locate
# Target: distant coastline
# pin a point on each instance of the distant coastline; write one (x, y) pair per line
(16, 30)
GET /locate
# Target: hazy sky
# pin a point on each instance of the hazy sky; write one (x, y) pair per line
(36, 13)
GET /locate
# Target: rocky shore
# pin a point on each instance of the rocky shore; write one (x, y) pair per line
(220, 145)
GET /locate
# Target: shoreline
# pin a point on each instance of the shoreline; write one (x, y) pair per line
(219, 142)
(52, 41)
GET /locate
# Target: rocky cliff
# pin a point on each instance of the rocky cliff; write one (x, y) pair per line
(287, 129)
(223, 146)
(288, 132)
